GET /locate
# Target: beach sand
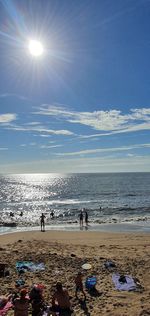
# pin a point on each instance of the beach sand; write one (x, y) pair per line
(65, 252)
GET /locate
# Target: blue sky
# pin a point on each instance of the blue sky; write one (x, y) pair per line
(84, 105)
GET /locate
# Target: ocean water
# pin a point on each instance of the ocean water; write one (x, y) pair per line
(118, 201)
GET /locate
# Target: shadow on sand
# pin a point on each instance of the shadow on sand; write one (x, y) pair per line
(94, 292)
(84, 307)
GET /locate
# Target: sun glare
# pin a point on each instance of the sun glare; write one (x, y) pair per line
(35, 48)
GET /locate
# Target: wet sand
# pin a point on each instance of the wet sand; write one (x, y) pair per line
(64, 253)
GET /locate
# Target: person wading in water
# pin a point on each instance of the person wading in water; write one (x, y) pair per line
(42, 219)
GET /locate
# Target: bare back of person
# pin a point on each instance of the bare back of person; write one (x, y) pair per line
(62, 298)
(21, 307)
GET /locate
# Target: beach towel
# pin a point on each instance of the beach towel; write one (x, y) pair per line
(123, 283)
(23, 266)
(37, 267)
(5, 309)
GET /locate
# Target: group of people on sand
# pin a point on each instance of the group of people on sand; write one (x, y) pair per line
(34, 299)
(83, 216)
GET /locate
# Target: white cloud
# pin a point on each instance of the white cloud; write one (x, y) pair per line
(102, 150)
(39, 129)
(134, 128)
(6, 95)
(32, 123)
(112, 121)
(3, 148)
(42, 135)
(50, 146)
(8, 117)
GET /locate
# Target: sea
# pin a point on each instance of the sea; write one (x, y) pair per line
(114, 201)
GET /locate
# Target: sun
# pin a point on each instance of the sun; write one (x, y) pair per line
(36, 48)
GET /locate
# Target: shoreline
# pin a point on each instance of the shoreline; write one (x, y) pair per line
(102, 228)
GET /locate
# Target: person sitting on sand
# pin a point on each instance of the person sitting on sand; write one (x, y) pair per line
(61, 301)
(37, 300)
(21, 304)
(79, 284)
(4, 299)
(42, 218)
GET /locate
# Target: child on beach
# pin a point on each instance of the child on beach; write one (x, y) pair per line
(79, 284)
(21, 304)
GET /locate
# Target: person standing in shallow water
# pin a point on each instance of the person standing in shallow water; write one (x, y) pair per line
(81, 218)
(42, 219)
(86, 218)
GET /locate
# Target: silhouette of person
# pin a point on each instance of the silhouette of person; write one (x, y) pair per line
(61, 301)
(81, 218)
(79, 284)
(52, 214)
(42, 218)
(86, 218)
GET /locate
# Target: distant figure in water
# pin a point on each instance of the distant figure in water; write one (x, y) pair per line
(52, 214)
(21, 213)
(11, 214)
(86, 218)
(42, 218)
(81, 218)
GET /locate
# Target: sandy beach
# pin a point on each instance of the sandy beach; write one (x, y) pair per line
(64, 253)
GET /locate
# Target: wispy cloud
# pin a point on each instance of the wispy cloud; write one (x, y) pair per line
(7, 94)
(39, 129)
(102, 150)
(135, 128)
(32, 123)
(108, 122)
(42, 135)
(3, 148)
(50, 146)
(8, 117)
